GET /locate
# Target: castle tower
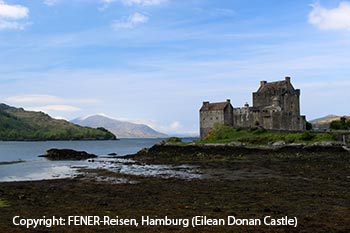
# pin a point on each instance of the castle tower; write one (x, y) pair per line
(214, 113)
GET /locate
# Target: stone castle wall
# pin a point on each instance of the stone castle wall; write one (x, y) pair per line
(276, 106)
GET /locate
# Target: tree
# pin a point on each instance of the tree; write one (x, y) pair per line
(342, 124)
(308, 126)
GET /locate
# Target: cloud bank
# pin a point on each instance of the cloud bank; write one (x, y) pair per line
(331, 19)
(10, 16)
(55, 108)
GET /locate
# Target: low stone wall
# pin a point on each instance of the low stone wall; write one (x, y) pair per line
(342, 137)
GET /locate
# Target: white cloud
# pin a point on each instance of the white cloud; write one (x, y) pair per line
(4, 24)
(176, 125)
(107, 1)
(10, 14)
(172, 128)
(51, 2)
(60, 118)
(56, 108)
(34, 99)
(130, 22)
(142, 2)
(13, 11)
(47, 99)
(331, 19)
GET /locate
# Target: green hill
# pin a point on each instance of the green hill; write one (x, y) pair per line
(323, 123)
(16, 124)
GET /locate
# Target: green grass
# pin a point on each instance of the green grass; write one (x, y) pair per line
(227, 134)
(3, 203)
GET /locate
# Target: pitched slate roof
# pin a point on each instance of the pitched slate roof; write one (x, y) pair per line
(267, 87)
(214, 106)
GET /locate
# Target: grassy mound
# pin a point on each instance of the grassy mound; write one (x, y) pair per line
(227, 134)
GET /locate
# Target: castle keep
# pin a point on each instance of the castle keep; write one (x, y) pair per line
(275, 107)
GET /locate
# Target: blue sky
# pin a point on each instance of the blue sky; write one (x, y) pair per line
(155, 61)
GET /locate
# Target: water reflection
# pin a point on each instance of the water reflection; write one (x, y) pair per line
(42, 169)
(37, 171)
(131, 167)
(36, 168)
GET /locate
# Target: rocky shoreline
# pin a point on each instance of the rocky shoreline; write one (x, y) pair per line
(309, 182)
(163, 149)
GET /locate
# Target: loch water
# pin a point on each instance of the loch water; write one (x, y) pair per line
(39, 168)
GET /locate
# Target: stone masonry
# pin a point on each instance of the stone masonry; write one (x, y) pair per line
(276, 106)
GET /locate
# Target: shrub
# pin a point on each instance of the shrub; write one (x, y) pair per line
(173, 140)
(259, 131)
(307, 137)
(308, 126)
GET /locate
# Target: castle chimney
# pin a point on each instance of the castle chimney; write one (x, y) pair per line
(205, 103)
(287, 79)
(228, 100)
(246, 105)
(262, 83)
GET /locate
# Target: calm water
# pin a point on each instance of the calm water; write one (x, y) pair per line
(37, 168)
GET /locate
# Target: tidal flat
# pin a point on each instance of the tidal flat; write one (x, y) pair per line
(312, 186)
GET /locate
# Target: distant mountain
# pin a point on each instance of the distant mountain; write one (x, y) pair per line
(122, 129)
(17, 124)
(324, 122)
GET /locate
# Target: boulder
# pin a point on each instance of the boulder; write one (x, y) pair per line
(278, 144)
(67, 154)
(236, 144)
(324, 144)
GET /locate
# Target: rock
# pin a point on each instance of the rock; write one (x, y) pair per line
(322, 144)
(346, 148)
(143, 151)
(67, 154)
(113, 153)
(297, 144)
(278, 143)
(236, 144)
(161, 143)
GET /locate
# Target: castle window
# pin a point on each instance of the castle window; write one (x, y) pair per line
(211, 118)
(217, 118)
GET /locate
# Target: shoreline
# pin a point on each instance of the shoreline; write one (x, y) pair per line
(162, 152)
(310, 185)
(12, 162)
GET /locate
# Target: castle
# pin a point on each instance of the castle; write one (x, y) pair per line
(275, 107)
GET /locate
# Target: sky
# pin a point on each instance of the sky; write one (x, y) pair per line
(156, 61)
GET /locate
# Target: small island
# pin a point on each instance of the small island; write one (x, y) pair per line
(67, 154)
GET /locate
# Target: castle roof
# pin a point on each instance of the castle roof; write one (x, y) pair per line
(214, 106)
(272, 86)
